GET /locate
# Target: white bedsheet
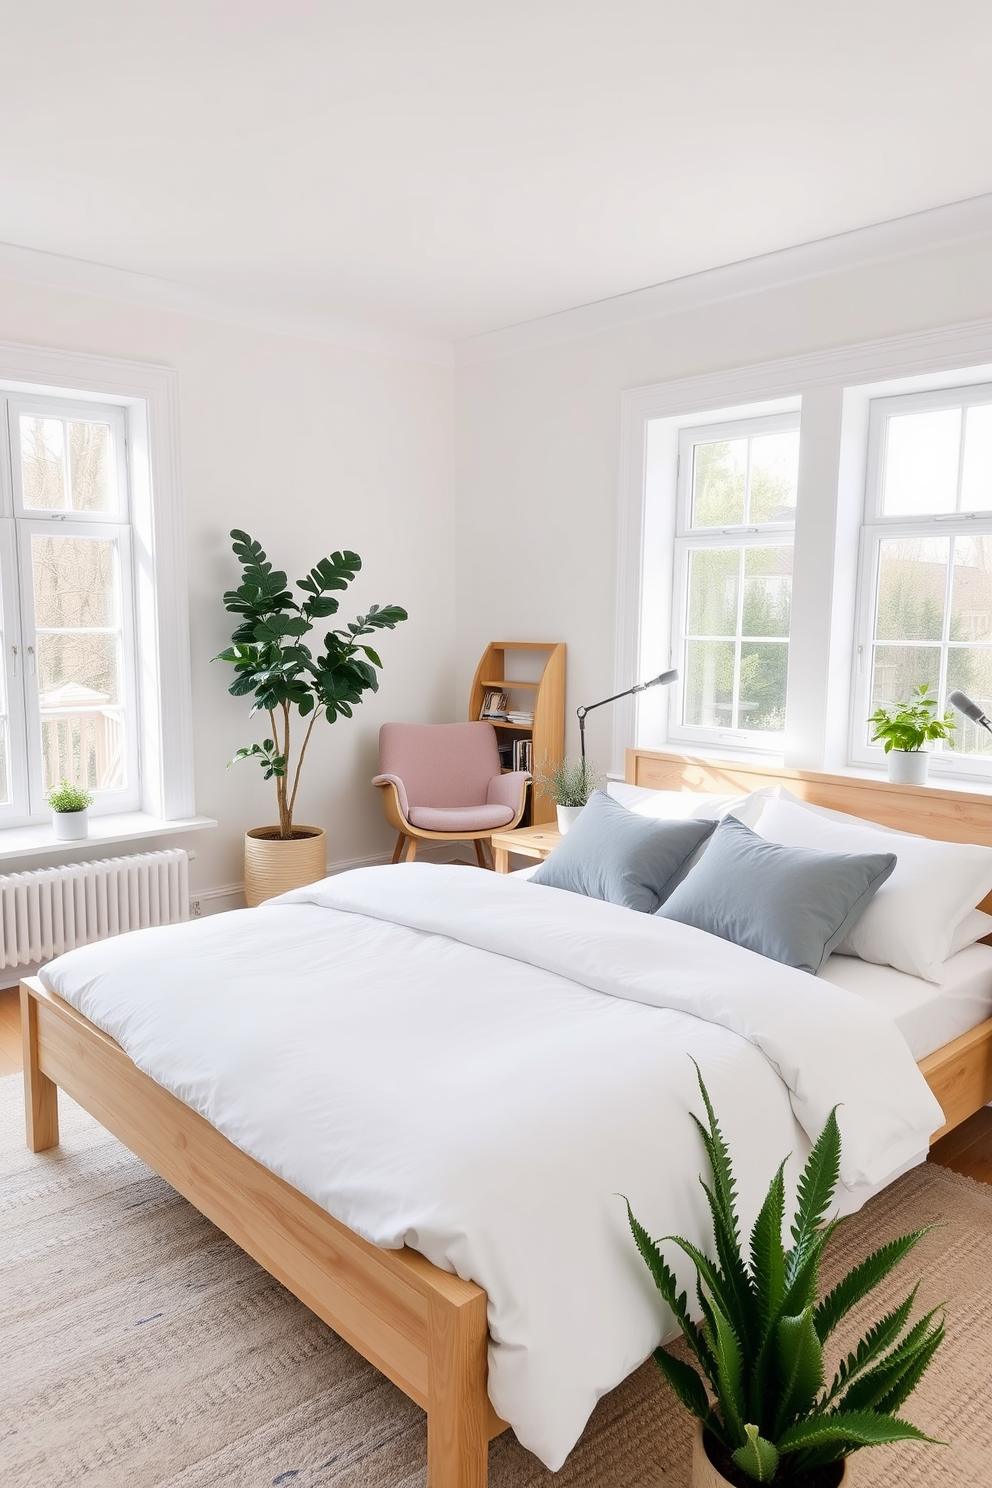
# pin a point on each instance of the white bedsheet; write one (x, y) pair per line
(428, 1053)
(927, 1014)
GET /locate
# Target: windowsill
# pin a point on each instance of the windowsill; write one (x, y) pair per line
(127, 826)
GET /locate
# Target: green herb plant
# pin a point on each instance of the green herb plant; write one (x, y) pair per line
(908, 726)
(568, 782)
(282, 673)
(760, 1345)
(68, 797)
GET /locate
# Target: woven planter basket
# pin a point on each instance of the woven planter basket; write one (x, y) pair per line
(274, 866)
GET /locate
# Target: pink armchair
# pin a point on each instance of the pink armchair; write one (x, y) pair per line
(441, 782)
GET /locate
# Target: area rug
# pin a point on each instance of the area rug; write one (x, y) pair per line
(140, 1348)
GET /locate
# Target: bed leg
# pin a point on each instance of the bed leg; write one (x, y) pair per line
(41, 1095)
(458, 1399)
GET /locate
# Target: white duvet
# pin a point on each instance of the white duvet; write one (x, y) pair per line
(477, 1066)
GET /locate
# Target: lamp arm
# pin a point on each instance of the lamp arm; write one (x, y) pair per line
(580, 712)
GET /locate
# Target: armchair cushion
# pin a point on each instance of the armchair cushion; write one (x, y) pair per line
(460, 818)
(508, 790)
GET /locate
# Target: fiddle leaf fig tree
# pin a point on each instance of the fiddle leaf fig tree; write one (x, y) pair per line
(285, 676)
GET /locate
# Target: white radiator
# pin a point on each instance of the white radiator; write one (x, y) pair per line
(52, 910)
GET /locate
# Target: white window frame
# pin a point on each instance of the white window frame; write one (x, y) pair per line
(147, 396)
(876, 528)
(689, 539)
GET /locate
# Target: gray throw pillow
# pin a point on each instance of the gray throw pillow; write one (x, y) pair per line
(611, 854)
(792, 904)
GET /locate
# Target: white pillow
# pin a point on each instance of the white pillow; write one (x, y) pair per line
(683, 805)
(911, 922)
(974, 927)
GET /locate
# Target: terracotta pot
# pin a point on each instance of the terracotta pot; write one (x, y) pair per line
(705, 1475)
(274, 866)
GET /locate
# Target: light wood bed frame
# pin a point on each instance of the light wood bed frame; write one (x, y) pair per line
(422, 1327)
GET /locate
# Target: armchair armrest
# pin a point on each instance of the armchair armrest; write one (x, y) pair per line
(394, 780)
(508, 790)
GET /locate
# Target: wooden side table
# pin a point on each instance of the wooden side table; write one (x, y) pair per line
(529, 842)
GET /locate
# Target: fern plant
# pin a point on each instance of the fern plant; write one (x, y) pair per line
(908, 726)
(760, 1345)
(283, 675)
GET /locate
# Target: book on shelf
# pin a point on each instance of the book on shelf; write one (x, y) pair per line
(523, 755)
(524, 719)
(494, 705)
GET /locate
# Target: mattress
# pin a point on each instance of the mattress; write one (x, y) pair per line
(927, 1014)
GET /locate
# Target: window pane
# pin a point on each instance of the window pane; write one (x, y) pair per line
(976, 476)
(713, 579)
(921, 463)
(971, 590)
(898, 670)
(75, 581)
(764, 674)
(912, 583)
(969, 669)
(719, 473)
(709, 684)
(774, 477)
(767, 591)
(90, 468)
(43, 463)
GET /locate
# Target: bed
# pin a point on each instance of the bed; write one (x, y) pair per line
(425, 1328)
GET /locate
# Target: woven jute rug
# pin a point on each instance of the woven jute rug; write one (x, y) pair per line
(141, 1349)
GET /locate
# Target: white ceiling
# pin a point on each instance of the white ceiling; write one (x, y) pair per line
(444, 168)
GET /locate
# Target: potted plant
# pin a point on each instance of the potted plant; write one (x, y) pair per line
(905, 728)
(569, 783)
(70, 811)
(287, 679)
(760, 1345)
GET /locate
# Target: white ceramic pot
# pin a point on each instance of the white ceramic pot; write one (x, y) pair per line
(908, 766)
(71, 826)
(705, 1475)
(274, 865)
(567, 815)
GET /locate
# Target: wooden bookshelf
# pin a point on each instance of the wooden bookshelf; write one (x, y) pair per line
(543, 691)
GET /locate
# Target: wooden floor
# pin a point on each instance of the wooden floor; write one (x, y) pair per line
(967, 1150)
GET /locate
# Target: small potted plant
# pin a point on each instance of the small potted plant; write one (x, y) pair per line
(569, 783)
(759, 1347)
(70, 811)
(904, 729)
(289, 680)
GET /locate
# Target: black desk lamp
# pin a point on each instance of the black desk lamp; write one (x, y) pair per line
(663, 680)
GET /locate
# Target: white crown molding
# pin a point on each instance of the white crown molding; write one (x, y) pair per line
(898, 238)
(53, 271)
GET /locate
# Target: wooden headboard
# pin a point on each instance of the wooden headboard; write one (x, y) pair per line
(947, 815)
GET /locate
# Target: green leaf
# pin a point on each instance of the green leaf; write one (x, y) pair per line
(664, 1279)
(768, 1254)
(872, 1345)
(862, 1279)
(758, 1457)
(817, 1184)
(848, 1430)
(799, 1362)
(885, 1377)
(685, 1382)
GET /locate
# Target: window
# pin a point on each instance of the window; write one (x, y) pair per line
(68, 708)
(736, 504)
(926, 590)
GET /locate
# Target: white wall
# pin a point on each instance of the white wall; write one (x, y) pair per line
(539, 444)
(309, 447)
